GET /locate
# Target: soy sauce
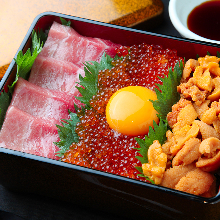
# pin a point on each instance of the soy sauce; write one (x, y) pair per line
(204, 20)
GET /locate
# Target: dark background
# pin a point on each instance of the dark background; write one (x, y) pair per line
(16, 206)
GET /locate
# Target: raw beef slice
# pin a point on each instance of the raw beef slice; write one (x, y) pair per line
(43, 103)
(64, 43)
(25, 133)
(55, 74)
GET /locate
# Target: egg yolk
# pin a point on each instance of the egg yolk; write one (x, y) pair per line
(130, 112)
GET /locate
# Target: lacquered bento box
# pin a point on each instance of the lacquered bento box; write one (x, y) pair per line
(100, 190)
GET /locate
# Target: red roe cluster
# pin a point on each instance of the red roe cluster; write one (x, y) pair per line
(100, 147)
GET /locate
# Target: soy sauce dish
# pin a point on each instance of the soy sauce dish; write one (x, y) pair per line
(179, 12)
(123, 196)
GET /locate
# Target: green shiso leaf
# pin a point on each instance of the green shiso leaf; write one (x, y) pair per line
(88, 88)
(158, 133)
(142, 175)
(24, 64)
(25, 61)
(64, 22)
(89, 84)
(67, 133)
(5, 100)
(167, 94)
(38, 40)
(146, 177)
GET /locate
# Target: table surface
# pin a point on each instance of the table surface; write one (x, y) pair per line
(17, 206)
(15, 21)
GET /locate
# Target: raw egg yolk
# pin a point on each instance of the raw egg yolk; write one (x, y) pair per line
(130, 112)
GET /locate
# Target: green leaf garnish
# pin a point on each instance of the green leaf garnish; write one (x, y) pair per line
(64, 22)
(38, 40)
(67, 133)
(158, 133)
(167, 94)
(5, 100)
(89, 83)
(25, 61)
(117, 57)
(89, 88)
(24, 64)
(142, 175)
(146, 177)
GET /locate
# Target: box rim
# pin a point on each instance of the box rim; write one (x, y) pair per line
(199, 199)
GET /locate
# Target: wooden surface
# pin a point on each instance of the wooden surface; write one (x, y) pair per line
(16, 16)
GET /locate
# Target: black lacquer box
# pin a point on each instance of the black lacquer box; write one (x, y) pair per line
(103, 191)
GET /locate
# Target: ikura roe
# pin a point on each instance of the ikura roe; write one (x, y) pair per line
(99, 146)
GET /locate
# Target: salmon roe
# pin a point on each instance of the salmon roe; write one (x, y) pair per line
(100, 147)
